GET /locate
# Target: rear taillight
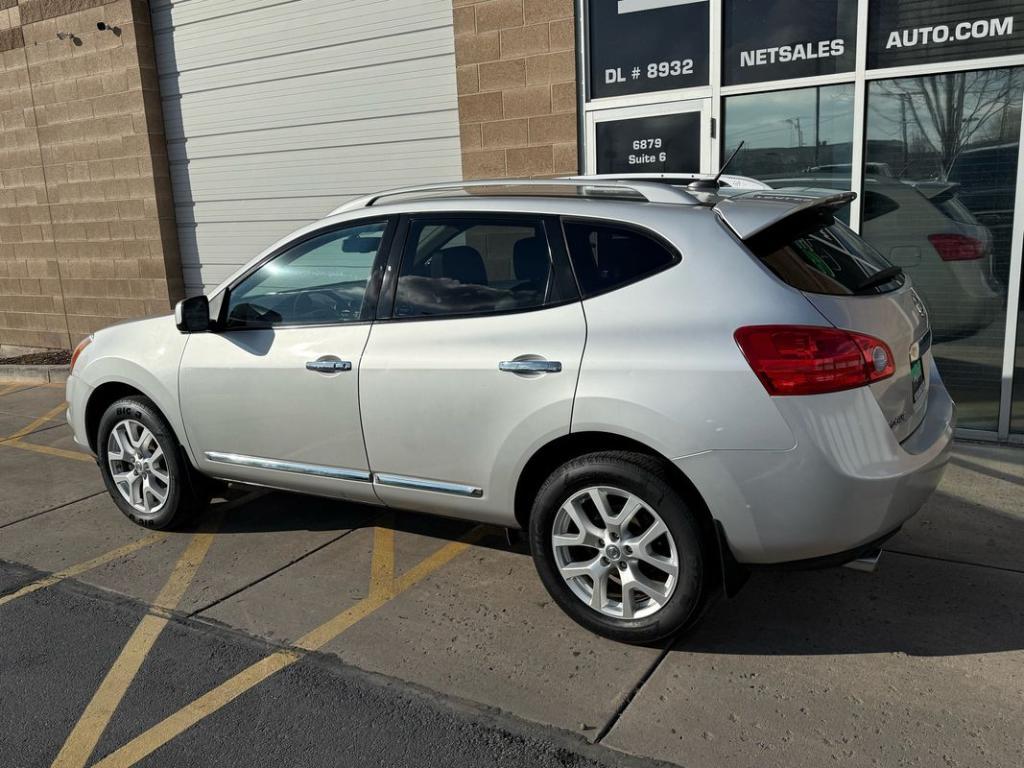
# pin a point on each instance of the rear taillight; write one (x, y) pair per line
(957, 247)
(78, 350)
(810, 360)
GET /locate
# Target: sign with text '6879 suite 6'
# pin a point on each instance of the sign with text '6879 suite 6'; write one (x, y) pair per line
(640, 46)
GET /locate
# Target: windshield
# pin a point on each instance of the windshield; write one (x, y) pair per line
(814, 252)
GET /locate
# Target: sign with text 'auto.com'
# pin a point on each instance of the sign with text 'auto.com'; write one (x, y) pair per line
(902, 32)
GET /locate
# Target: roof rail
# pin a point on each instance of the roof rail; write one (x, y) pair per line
(651, 192)
(727, 179)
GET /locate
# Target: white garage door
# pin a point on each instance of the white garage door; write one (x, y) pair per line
(276, 112)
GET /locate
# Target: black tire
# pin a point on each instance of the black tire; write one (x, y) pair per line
(181, 499)
(648, 479)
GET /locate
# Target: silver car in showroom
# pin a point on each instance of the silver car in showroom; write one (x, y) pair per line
(666, 385)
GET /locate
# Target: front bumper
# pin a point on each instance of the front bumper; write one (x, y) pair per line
(77, 392)
(846, 483)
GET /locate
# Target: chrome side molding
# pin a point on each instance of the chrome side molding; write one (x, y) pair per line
(342, 473)
(419, 484)
(317, 470)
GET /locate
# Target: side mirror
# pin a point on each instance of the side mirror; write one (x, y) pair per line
(192, 315)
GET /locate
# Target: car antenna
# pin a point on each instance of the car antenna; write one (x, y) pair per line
(706, 184)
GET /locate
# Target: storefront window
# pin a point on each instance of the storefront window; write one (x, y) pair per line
(798, 138)
(781, 39)
(939, 186)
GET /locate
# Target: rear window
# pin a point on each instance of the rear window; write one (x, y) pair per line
(815, 253)
(609, 257)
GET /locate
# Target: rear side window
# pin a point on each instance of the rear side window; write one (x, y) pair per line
(817, 254)
(607, 257)
(472, 266)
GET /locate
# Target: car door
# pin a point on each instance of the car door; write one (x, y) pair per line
(271, 395)
(472, 364)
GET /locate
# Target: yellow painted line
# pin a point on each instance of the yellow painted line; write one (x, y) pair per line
(88, 565)
(48, 416)
(6, 388)
(149, 741)
(382, 566)
(94, 720)
(47, 450)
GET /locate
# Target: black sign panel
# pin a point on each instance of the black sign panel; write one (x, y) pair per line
(920, 31)
(640, 46)
(662, 144)
(780, 39)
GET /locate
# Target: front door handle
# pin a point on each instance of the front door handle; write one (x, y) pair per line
(328, 366)
(530, 366)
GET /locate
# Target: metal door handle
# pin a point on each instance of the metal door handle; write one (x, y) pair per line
(328, 366)
(530, 366)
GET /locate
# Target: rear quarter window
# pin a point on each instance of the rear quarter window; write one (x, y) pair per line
(607, 256)
(818, 254)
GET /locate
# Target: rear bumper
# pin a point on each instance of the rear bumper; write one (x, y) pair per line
(847, 483)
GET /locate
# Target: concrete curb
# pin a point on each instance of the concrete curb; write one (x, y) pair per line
(45, 374)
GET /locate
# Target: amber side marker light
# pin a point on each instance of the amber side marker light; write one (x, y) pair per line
(78, 350)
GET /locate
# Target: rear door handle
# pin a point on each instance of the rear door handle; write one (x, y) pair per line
(530, 366)
(328, 366)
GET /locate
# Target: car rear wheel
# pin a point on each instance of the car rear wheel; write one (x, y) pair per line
(141, 466)
(618, 547)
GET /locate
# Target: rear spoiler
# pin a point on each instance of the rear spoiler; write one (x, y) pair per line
(754, 212)
(934, 189)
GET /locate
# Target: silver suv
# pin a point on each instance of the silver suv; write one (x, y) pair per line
(665, 384)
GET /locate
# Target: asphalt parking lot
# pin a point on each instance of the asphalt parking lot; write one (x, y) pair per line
(288, 630)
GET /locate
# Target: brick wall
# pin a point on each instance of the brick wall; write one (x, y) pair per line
(517, 87)
(87, 232)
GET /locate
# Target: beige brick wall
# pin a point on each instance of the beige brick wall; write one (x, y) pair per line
(87, 232)
(516, 77)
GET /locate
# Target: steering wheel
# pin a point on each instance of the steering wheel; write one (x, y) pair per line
(316, 305)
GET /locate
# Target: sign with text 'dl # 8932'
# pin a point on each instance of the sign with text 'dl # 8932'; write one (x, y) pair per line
(642, 46)
(658, 144)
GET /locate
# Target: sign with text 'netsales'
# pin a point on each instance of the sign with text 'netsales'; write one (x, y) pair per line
(782, 39)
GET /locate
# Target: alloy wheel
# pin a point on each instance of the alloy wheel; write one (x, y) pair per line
(615, 552)
(138, 466)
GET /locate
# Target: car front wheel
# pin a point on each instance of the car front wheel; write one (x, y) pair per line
(140, 463)
(618, 546)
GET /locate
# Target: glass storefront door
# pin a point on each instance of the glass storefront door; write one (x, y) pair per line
(939, 188)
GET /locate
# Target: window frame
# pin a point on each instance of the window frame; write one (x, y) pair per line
(402, 244)
(373, 284)
(677, 256)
